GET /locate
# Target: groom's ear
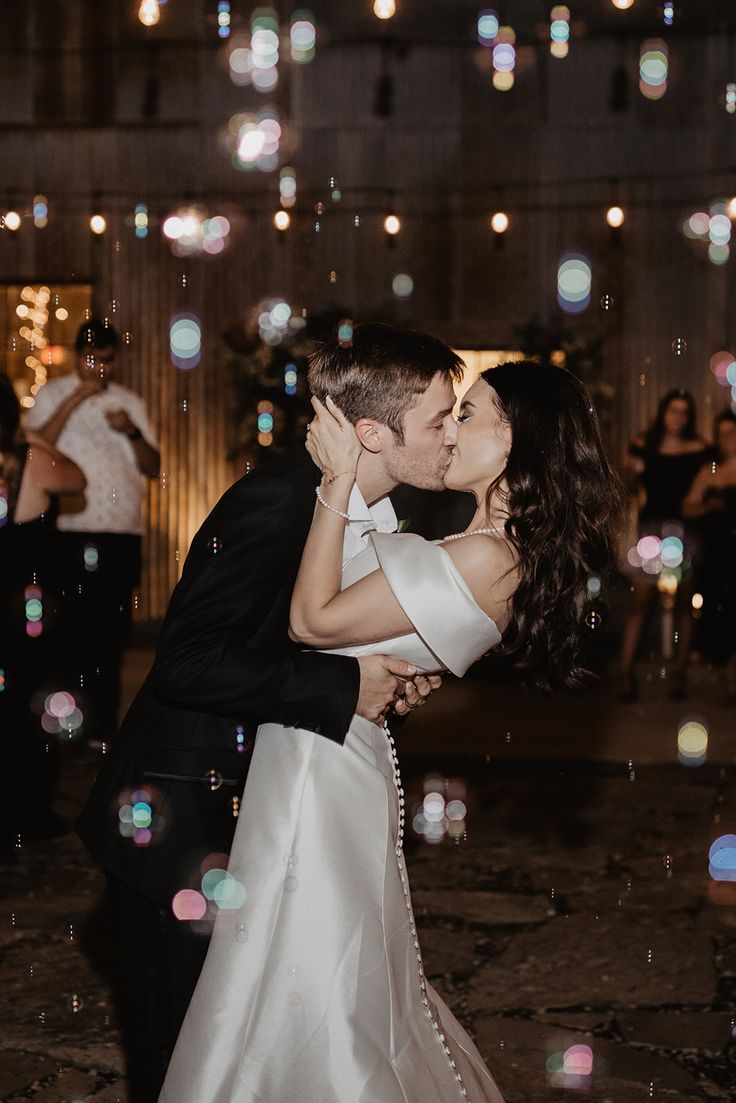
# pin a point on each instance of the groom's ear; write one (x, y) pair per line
(370, 433)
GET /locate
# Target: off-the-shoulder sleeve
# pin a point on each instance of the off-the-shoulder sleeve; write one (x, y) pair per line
(436, 599)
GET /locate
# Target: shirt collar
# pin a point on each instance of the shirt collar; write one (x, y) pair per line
(382, 513)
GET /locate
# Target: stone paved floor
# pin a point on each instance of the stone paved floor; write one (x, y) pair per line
(578, 911)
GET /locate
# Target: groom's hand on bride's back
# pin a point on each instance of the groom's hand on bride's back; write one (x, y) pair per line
(387, 683)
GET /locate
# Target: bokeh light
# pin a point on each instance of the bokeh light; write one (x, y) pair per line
(11, 221)
(188, 904)
(653, 68)
(223, 19)
(291, 378)
(402, 285)
(256, 140)
(488, 25)
(140, 220)
(615, 217)
(98, 224)
(574, 279)
(287, 186)
(185, 341)
(692, 743)
(303, 35)
(731, 98)
(40, 211)
(384, 9)
(668, 13)
(559, 31)
(499, 222)
(504, 59)
(149, 12)
(623, 5)
(722, 858)
(392, 225)
(282, 220)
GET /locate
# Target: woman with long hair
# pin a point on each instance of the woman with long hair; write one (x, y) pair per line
(31, 475)
(314, 988)
(712, 502)
(662, 463)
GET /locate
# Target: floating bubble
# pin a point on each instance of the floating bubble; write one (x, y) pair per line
(229, 894)
(189, 905)
(722, 855)
(402, 286)
(211, 880)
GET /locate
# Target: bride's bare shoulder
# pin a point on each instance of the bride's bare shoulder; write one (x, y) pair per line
(489, 565)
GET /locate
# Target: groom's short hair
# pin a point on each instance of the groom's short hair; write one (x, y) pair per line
(380, 372)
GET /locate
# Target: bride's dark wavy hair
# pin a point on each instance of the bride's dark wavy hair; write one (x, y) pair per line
(565, 504)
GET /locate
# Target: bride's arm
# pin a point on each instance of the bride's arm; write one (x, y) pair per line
(321, 615)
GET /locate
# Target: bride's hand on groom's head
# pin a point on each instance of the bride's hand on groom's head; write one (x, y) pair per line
(331, 440)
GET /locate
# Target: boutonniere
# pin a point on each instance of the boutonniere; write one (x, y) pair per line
(404, 524)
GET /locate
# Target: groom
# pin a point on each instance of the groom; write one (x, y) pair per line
(163, 810)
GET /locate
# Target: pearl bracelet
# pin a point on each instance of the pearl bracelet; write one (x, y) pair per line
(327, 505)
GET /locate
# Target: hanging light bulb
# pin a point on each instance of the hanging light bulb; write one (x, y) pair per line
(11, 221)
(97, 224)
(615, 217)
(391, 225)
(499, 222)
(149, 12)
(623, 5)
(282, 221)
(384, 9)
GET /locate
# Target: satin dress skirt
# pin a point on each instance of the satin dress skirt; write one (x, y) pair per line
(313, 990)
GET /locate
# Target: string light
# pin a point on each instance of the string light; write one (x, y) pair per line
(499, 222)
(384, 9)
(97, 224)
(282, 221)
(615, 217)
(392, 225)
(149, 12)
(623, 5)
(12, 221)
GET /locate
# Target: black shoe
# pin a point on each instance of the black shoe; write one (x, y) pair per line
(628, 691)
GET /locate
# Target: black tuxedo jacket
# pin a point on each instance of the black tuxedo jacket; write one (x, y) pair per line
(224, 664)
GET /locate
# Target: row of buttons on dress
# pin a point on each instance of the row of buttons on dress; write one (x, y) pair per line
(407, 900)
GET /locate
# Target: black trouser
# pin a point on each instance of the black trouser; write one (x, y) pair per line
(160, 959)
(99, 572)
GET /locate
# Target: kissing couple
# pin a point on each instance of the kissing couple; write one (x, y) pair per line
(263, 912)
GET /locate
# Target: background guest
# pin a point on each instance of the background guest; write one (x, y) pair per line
(663, 463)
(31, 475)
(712, 498)
(105, 428)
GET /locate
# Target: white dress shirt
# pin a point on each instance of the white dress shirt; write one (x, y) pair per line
(115, 486)
(380, 517)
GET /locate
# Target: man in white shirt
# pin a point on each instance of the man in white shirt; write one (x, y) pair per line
(105, 429)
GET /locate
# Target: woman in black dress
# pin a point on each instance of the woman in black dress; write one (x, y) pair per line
(31, 474)
(663, 463)
(712, 499)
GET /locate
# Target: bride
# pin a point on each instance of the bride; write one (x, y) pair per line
(314, 990)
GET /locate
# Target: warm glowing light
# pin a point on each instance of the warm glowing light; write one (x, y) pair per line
(499, 222)
(149, 12)
(392, 224)
(282, 220)
(623, 5)
(97, 224)
(12, 221)
(384, 9)
(615, 217)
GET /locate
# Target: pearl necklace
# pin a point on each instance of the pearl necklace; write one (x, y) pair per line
(474, 532)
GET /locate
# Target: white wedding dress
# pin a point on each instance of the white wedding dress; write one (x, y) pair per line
(313, 989)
